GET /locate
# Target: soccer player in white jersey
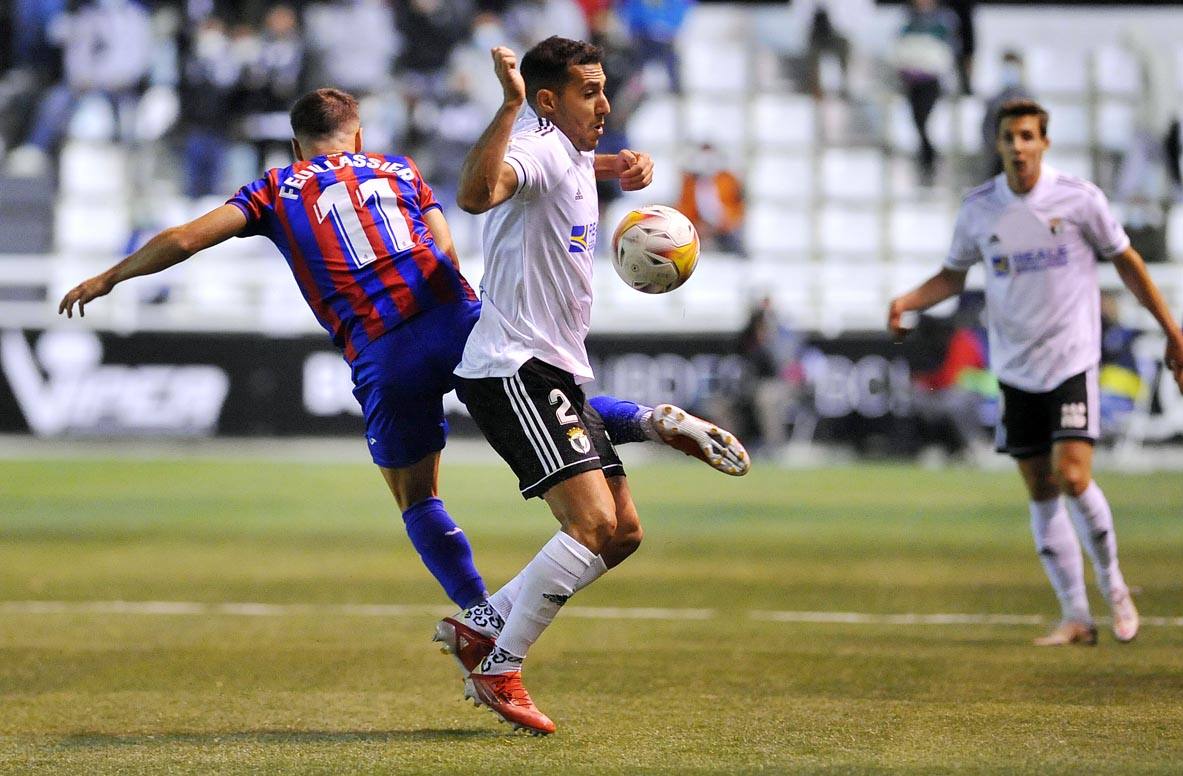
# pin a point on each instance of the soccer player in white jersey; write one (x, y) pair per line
(525, 360)
(1038, 233)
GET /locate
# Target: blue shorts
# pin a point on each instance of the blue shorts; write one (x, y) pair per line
(400, 380)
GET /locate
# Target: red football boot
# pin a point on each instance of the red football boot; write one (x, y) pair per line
(467, 646)
(506, 697)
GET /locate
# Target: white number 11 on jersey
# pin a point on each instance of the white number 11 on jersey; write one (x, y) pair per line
(335, 203)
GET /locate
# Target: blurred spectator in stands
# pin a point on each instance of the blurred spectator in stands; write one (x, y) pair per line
(460, 119)
(767, 347)
(824, 40)
(430, 30)
(964, 10)
(1120, 380)
(924, 55)
(624, 89)
(952, 380)
(107, 53)
(1012, 76)
(712, 197)
(273, 78)
(654, 25)
(210, 75)
(1154, 147)
(29, 63)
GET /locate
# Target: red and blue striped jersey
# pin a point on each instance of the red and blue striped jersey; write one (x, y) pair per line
(352, 230)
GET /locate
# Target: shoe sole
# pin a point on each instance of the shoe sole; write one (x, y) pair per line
(682, 425)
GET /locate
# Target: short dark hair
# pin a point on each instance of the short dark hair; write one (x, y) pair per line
(546, 65)
(322, 113)
(1022, 107)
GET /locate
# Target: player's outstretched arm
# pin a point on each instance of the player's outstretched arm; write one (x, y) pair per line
(172, 246)
(486, 179)
(937, 288)
(634, 169)
(1132, 270)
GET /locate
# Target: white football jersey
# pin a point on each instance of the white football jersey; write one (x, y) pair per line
(536, 293)
(1040, 255)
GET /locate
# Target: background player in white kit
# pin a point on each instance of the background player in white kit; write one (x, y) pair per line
(525, 359)
(1038, 232)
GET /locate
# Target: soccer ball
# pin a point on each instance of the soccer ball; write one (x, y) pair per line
(654, 249)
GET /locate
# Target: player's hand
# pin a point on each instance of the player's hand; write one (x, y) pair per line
(635, 168)
(895, 320)
(505, 63)
(99, 285)
(1174, 360)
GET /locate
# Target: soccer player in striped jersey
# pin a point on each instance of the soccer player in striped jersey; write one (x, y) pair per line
(370, 249)
(1039, 232)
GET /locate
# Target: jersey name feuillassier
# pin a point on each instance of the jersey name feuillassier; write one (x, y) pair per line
(352, 230)
(536, 293)
(1040, 256)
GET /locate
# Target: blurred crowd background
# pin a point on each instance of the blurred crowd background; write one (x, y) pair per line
(820, 146)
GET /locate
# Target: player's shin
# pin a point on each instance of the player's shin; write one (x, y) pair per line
(547, 582)
(1059, 552)
(445, 551)
(1093, 520)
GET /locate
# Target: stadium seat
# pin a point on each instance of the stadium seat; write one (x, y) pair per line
(784, 120)
(80, 159)
(1115, 125)
(774, 232)
(849, 230)
(1069, 125)
(921, 230)
(852, 295)
(1174, 224)
(721, 121)
(969, 113)
(655, 124)
(780, 178)
(724, 72)
(1057, 69)
(852, 174)
(93, 225)
(1115, 71)
(1078, 163)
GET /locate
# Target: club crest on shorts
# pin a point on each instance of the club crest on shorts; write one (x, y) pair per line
(578, 439)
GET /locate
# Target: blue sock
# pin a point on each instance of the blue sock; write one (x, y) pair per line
(445, 551)
(623, 419)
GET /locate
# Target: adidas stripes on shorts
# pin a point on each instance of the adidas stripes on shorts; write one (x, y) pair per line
(539, 421)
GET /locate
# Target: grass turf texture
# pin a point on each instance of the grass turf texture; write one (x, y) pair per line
(337, 693)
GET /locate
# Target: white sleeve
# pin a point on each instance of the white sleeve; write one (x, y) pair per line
(533, 158)
(963, 253)
(1100, 227)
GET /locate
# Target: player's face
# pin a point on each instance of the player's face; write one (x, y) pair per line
(582, 106)
(1021, 145)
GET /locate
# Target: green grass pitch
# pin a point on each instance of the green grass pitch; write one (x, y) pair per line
(318, 688)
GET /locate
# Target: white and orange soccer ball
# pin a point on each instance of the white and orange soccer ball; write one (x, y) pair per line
(655, 249)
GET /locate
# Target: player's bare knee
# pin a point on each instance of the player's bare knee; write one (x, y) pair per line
(1072, 478)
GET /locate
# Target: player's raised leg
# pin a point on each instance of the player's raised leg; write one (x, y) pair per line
(628, 421)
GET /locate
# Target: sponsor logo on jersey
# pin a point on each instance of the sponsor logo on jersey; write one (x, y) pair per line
(1022, 262)
(1000, 264)
(1073, 415)
(583, 239)
(578, 439)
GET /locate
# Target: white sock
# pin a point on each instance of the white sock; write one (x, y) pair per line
(547, 582)
(1059, 552)
(502, 600)
(1094, 525)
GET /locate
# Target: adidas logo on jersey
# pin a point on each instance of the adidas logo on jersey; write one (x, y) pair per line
(578, 195)
(1073, 415)
(555, 598)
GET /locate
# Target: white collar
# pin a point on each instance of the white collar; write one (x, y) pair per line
(1047, 177)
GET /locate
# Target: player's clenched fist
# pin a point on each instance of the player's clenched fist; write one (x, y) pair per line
(505, 62)
(635, 168)
(99, 285)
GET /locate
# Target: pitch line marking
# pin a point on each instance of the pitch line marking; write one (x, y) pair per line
(259, 609)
